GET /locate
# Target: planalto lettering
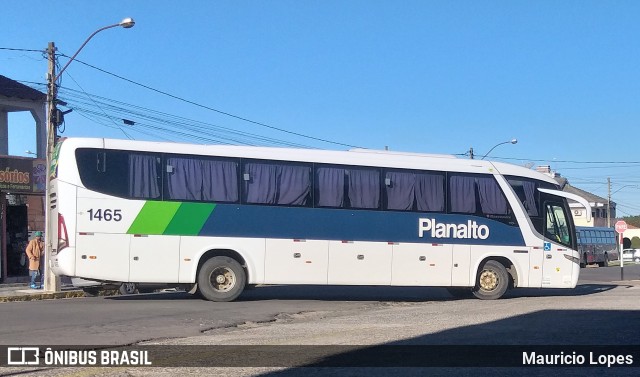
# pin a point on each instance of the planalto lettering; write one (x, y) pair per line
(445, 230)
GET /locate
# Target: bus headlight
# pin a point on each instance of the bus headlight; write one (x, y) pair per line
(573, 259)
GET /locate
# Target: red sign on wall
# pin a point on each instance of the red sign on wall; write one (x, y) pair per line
(22, 175)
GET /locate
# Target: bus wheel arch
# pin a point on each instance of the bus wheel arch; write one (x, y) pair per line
(494, 277)
(221, 275)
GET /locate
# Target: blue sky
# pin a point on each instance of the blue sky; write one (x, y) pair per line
(419, 76)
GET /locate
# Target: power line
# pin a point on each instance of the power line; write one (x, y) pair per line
(568, 161)
(145, 117)
(20, 49)
(77, 100)
(94, 102)
(213, 109)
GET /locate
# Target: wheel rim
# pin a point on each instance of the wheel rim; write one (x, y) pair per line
(489, 280)
(223, 279)
(129, 288)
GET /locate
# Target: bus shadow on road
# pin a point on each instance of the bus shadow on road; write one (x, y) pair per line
(579, 290)
(400, 294)
(345, 293)
(313, 292)
(366, 293)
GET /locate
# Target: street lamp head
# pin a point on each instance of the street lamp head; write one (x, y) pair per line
(127, 23)
(512, 141)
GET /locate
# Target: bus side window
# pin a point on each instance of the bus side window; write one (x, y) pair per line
(411, 191)
(476, 194)
(284, 184)
(144, 178)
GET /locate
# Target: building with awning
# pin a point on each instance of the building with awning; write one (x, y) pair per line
(22, 179)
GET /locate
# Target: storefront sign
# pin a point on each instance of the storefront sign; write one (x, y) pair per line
(22, 175)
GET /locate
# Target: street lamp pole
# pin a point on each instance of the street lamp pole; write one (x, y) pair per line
(51, 281)
(512, 141)
(609, 193)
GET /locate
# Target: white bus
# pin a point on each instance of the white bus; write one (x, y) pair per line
(219, 218)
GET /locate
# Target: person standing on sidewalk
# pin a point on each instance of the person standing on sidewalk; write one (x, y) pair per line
(35, 253)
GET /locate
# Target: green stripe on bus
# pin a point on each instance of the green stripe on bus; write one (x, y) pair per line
(154, 217)
(190, 219)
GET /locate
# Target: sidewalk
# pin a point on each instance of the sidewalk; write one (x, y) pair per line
(22, 292)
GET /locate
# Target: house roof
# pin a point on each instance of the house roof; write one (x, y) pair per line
(591, 198)
(14, 89)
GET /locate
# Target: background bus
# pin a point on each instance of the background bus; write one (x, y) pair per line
(597, 245)
(223, 217)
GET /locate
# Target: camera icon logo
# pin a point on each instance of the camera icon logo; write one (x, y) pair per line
(23, 356)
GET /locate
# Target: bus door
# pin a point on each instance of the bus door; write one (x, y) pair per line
(557, 270)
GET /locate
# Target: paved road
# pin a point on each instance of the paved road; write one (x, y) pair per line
(597, 312)
(130, 319)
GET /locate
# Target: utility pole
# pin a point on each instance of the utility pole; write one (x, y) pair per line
(608, 202)
(50, 280)
(54, 117)
(471, 153)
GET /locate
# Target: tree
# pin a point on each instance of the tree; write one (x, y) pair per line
(632, 220)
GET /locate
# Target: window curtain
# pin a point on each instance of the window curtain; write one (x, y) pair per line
(530, 198)
(330, 183)
(143, 176)
(208, 180)
(429, 192)
(294, 184)
(364, 188)
(401, 190)
(261, 188)
(184, 182)
(492, 201)
(220, 181)
(463, 195)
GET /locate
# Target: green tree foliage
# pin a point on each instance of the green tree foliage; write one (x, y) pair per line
(632, 220)
(635, 242)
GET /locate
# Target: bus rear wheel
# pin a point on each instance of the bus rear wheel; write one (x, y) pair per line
(128, 289)
(221, 279)
(492, 281)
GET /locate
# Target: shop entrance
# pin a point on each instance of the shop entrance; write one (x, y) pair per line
(17, 238)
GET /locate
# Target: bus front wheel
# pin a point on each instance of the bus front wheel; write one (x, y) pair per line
(492, 281)
(221, 279)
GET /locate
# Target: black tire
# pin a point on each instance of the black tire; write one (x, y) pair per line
(460, 292)
(636, 259)
(221, 279)
(128, 289)
(91, 291)
(492, 281)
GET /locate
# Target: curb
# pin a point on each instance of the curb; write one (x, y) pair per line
(42, 296)
(54, 295)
